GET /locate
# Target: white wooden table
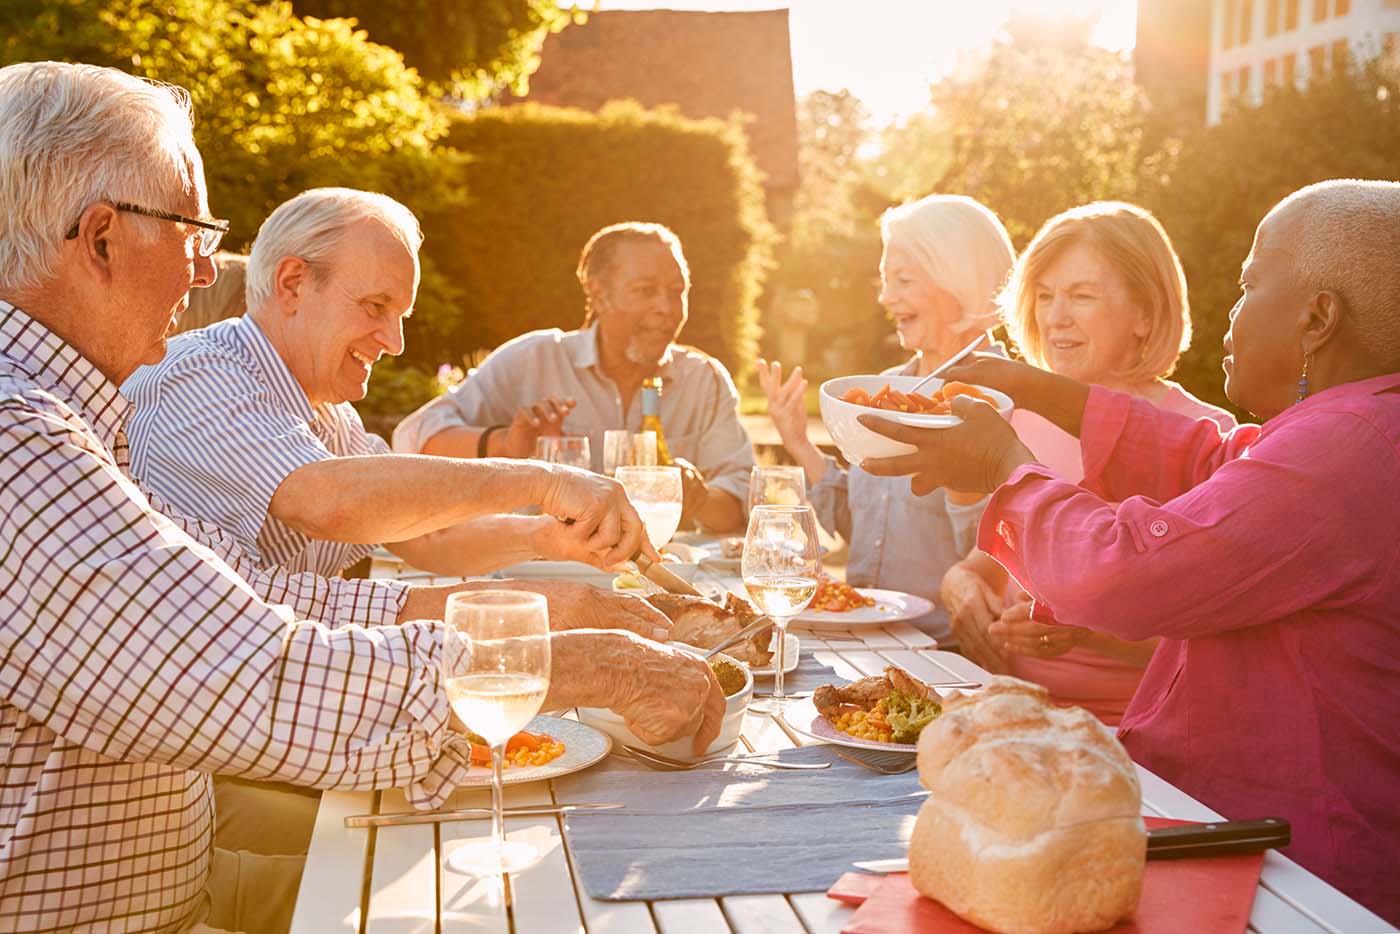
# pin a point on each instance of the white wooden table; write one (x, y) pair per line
(391, 881)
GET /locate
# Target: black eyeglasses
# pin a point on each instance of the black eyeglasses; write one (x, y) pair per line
(210, 231)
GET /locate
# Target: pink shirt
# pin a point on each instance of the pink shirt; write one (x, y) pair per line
(1083, 677)
(1269, 559)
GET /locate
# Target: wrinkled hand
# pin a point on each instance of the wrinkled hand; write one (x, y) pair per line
(581, 606)
(1018, 634)
(545, 417)
(975, 456)
(561, 541)
(664, 693)
(787, 405)
(599, 509)
(694, 491)
(973, 605)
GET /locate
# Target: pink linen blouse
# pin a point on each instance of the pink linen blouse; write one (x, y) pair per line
(1269, 560)
(1083, 677)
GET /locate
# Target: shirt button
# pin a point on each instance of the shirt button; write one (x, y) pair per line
(1158, 528)
(879, 542)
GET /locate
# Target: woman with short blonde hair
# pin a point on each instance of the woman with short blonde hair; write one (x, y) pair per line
(1130, 241)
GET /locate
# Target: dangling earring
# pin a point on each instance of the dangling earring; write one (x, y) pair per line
(1303, 380)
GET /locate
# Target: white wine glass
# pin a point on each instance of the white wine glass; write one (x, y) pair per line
(777, 485)
(495, 687)
(655, 493)
(781, 565)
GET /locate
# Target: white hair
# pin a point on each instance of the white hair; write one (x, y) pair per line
(961, 245)
(312, 226)
(1344, 237)
(72, 136)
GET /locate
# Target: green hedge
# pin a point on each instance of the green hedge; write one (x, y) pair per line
(541, 180)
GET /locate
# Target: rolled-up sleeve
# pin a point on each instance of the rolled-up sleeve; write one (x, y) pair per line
(183, 445)
(485, 398)
(133, 641)
(725, 452)
(1260, 538)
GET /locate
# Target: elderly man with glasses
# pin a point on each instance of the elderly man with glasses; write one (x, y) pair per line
(140, 652)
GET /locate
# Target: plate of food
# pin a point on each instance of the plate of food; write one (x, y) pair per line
(844, 399)
(548, 747)
(839, 604)
(886, 711)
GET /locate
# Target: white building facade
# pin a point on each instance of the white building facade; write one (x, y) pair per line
(1257, 44)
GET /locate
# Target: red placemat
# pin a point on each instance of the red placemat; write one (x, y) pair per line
(1211, 895)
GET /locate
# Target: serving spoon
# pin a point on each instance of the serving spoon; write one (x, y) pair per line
(943, 367)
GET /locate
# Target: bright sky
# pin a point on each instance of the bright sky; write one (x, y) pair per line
(888, 52)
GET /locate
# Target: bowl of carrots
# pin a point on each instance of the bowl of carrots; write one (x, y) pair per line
(846, 398)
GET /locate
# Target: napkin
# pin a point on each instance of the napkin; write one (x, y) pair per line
(1207, 895)
(741, 830)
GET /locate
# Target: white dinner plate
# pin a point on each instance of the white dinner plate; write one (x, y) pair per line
(792, 648)
(891, 606)
(802, 716)
(583, 746)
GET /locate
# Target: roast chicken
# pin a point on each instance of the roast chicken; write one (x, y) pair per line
(704, 624)
(867, 692)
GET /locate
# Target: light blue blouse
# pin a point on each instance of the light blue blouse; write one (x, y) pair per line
(898, 541)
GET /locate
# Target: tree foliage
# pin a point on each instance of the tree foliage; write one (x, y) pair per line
(543, 179)
(1211, 188)
(1033, 131)
(478, 48)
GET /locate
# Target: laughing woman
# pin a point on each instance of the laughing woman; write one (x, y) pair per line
(1266, 558)
(945, 259)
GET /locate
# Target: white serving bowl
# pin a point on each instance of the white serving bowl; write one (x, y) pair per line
(858, 443)
(735, 706)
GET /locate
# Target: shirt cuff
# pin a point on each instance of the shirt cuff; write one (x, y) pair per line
(369, 602)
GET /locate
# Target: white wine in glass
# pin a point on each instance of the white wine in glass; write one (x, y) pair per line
(655, 492)
(496, 687)
(781, 566)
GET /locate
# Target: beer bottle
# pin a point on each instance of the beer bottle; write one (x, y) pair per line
(651, 417)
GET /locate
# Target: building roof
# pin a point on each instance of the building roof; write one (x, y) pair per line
(707, 64)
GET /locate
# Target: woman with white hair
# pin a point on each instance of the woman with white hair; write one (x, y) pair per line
(945, 259)
(1099, 296)
(1264, 558)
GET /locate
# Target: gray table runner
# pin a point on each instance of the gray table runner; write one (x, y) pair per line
(741, 830)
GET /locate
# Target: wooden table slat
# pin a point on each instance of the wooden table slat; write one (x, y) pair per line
(329, 898)
(761, 914)
(403, 881)
(689, 916)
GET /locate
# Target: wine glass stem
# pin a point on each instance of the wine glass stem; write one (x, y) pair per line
(779, 662)
(498, 820)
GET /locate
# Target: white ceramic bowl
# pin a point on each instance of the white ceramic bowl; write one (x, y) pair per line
(858, 443)
(735, 706)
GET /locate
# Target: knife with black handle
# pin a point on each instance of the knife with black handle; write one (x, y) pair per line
(1220, 838)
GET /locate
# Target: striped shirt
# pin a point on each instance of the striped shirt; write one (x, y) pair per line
(140, 653)
(224, 462)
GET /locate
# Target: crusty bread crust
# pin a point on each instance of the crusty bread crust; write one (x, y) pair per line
(1033, 822)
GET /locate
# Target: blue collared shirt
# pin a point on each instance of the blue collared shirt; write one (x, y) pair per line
(699, 404)
(221, 422)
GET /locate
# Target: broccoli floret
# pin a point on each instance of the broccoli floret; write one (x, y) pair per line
(907, 716)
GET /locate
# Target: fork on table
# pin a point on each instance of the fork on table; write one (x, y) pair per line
(883, 761)
(666, 763)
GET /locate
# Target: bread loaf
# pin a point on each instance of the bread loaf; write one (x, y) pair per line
(1033, 819)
